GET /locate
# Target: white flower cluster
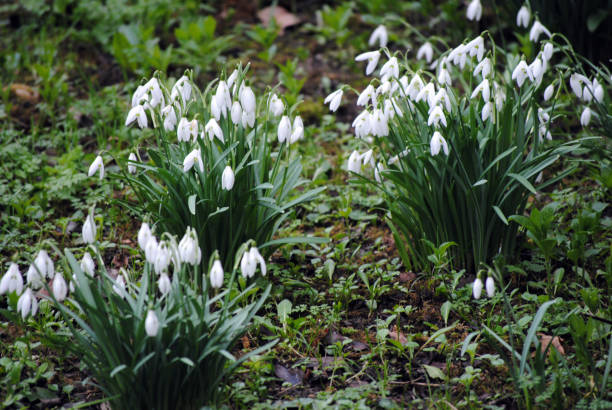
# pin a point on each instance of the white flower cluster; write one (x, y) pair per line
(477, 287)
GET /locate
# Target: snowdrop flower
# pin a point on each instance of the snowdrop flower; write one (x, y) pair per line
(248, 118)
(576, 81)
(247, 99)
(367, 158)
(536, 30)
(379, 123)
(87, 264)
(372, 58)
(390, 69)
(223, 97)
(427, 93)
(537, 69)
(157, 97)
(500, 96)
(487, 110)
(367, 94)
(131, 167)
(89, 229)
(444, 76)
(193, 157)
(598, 92)
(490, 286)
(477, 288)
(183, 88)
(521, 72)
(297, 133)
(236, 113)
(34, 278)
(425, 51)
(169, 117)
(362, 124)
(41, 268)
(523, 17)
(284, 129)
(151, 324)
(12, 280)
(436, 116)
(140, 95)
(248, 263)
(119, 286)
(438, 142)
(59, 287)
(459, 55)
(138, 114)
(256, 256)
(162, 257)
(441, 98)
(216, 274)
(474, 10)
(354, 162)
(585, 118)
(334, 100)
(212, 129)
(187, 129)
(544, 132)
(548, 51)
(548, 92)
(188, 248)
(232, 78)
(484, 89)
(276, 106)
(27, 304)
(379, 35)
(377, 172)
(476, 48)
(215, 108)
(144, 234)
(96, 165)
(227, 178)
(484, 68)
(164, 284)
(415, 86)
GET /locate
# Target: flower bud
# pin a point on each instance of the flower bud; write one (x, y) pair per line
(151, 324)
(216, 274)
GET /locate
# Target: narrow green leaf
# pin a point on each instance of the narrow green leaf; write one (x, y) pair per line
(500, 214)
(523, 182)
(191, 202)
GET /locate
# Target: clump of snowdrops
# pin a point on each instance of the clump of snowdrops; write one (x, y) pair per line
(457, 148)
(222, 161)
(156, 336)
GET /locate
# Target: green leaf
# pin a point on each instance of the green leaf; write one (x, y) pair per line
(117, 370)
(434, 372)
(191, 202)
(445, 311)
(500, 214)
(478, 183)
(523, 182)
(284, 310)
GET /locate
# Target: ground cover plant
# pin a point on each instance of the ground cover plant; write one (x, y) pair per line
(179, 207)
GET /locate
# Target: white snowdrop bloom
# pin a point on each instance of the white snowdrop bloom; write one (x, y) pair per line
(397, 157)
(441, 97)
(522, 17)
(183, 88)
(276, 105)
(379, 35)
(427, 93)
(372, 58)
(215, 108)
(390, 69)
(227, 178)
(548, 51)
(379, 123)
(284, 129)
(378, 169)
(425, 52)
(438, 142)
(248, 119)
(388, 109)
(162, 257)
(544, 132)
(548, 92)
(216, 274)
(334, 100)
(415, 86)
(139, 96)
(157, 97)
(12, 281)
(236, 113)
(192, 158)
(477, 288)
(96, 165)
(213, 130)
(247, 265)
(476, 48)
(444, 77)
(144, 234)
(500, 96)
(89, 229)
(487, 110)
(256, 256)
(187, 129)
(522, 72)
(44, 264)
(484, 89)
(131, 159)
(362, 124)
(543, 116)
(232, 78)
(189, 250)
(367, 158)
(598, 91)
(59, 287)
(585, 118)
(436, 117)
(539, 178)
(247, 99)
(354, 162)
(88, 265)
(224, 100)
(536, 30)
(163, 284)
(587, 92)
(151, 324)
(484, 68)
(138, 114)
(119, 286)
(576, 81)
(297, 132)
(369, 93)
(490, 286)
(33, 278)
(537, 69)
(27, 304)
(169, 116)
(474, 10)
(384, 88)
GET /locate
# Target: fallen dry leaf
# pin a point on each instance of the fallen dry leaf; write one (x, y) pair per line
(545, 340)
(282, 17)
(25, 92)
(293, 376)
(245, 342)
(399, 336)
